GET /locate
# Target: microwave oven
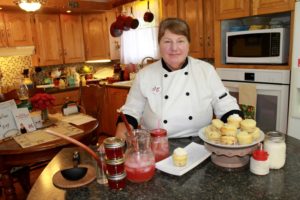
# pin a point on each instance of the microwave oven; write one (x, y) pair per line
(264, 46)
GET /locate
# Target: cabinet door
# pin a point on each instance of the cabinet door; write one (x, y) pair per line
(114, 42)
(49, 44)
(96, 36)
(18, 29)
(208, 12)
(272, 6)
(191, 12)
(232, 8)
(115, 98)
(3, 38)
(169, 8)
(72, 37)
(61, 98)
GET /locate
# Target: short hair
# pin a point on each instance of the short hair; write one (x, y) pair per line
(175, 25)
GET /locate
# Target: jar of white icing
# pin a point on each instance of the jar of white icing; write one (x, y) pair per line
(274, 144)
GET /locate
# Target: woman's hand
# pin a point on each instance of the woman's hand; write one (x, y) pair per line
(121, 130)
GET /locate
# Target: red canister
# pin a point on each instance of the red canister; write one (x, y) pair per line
(114, 148)
(115, 167)
(117, 182)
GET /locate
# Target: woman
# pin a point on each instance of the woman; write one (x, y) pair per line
(177, 93)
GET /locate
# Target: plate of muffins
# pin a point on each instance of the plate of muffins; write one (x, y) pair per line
(236, 133)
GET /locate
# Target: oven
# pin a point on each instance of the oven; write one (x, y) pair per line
(272, 89)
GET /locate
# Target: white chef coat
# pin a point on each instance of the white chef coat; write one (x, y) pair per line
(180, 101)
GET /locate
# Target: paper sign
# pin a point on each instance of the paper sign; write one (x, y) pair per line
(8, 126)
(23, 120)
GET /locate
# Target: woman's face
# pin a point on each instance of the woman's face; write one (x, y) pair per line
(174, 49)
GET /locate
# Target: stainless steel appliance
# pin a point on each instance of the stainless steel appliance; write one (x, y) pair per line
(272, 88)
(265, 46)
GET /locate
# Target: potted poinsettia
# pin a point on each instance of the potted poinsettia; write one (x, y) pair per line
(42, 101)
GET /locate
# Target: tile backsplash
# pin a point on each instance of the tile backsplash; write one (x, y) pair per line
(11, 69)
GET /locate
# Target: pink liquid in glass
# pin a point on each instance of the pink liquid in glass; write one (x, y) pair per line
(139, 168)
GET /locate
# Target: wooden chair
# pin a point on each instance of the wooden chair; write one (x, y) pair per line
(92, 100)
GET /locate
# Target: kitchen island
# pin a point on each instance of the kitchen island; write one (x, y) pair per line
(205, 181)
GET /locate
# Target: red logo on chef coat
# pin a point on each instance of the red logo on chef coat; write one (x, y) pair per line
(298, 62)
(156, 89)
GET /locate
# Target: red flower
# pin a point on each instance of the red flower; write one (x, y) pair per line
(42, 101)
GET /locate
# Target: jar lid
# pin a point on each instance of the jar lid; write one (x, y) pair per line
(159, 132)
(260, 155)
(114, 161)
(113, 142)
(116, 177)
(275, 136)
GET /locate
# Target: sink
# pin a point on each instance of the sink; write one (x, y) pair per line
(123, 83)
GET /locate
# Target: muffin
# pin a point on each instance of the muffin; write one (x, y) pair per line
(229, 130)
(235, 120)
(180, 157)
(244, 137)
(217, 123)
(248, 125)
(213, 135)
(256, 133)
(228, 140)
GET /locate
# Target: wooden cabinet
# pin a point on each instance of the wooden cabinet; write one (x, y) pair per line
(48, 40)
(114, 99)
(15, 29)
(72, 37)
(114, 42)
(199, 14)
(230, 9)
(59, 39)
(62, 97)
(96, 36)
(169, 8)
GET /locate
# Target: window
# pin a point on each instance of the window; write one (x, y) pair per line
(139, 43)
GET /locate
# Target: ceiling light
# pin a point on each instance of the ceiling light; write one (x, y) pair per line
(30, 5)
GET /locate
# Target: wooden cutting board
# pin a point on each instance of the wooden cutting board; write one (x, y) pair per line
(60, 182)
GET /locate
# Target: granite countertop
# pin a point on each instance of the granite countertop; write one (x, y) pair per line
(206, 181)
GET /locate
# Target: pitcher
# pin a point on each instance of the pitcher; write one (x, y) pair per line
(139, 158)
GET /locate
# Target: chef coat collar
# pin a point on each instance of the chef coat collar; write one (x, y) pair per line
(165, 66)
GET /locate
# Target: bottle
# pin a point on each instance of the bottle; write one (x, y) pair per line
(101, 174)
(259, 162)
(83, 81)
(274, 144)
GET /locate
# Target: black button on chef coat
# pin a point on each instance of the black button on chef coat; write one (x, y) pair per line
(166, 75)
(187, 93)
(190, 117)
(166, 97)
(165, 121)
(186, 73)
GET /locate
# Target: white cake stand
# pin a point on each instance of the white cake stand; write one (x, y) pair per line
(230, 156)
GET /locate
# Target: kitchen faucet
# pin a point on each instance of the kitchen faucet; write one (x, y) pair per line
(141, 65)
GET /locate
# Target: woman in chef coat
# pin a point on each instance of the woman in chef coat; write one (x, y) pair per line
(178, 93)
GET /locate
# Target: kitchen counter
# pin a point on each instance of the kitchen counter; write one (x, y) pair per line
(205, 181)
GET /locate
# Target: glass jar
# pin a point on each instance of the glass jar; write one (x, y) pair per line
(159, 144)
(139, 158)
(274, 144)
(115, 166)
(117, 182)
(114, 148)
